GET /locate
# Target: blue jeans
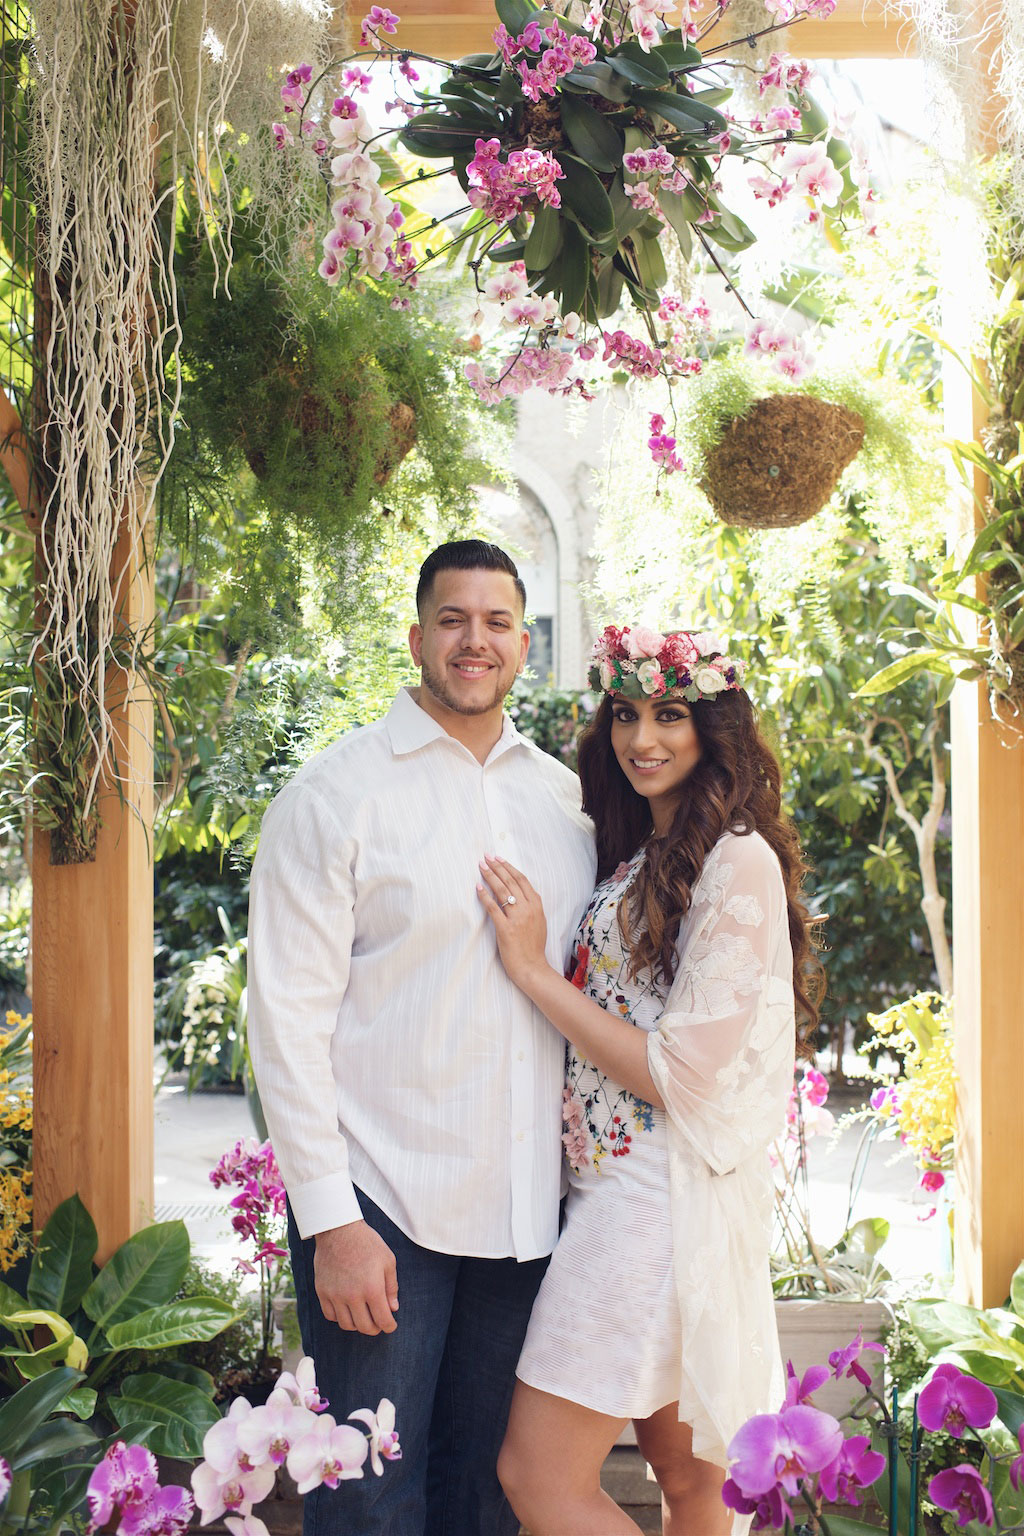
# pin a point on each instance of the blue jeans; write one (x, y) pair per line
(449, 1369)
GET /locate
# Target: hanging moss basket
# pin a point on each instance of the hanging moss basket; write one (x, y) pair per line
(778, 465)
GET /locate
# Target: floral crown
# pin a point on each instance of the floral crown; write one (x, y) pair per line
(636, 663)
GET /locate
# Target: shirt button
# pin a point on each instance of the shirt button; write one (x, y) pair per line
(521, 1136)
(521, 1056)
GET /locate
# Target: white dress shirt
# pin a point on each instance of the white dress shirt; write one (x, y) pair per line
(391, 1050)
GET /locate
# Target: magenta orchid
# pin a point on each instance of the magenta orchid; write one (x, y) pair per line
(856, 1467)
(770, 1510)
(962, 1491)
(846, 1362)
(783, 1448)
(125, 1487)
(954, 1402)
(1015, 1469)
(259, 1215)
(799, 1389)
(5, 1478)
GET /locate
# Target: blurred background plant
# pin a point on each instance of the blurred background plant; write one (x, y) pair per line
(15, 1141)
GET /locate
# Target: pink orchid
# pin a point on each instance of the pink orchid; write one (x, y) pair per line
(846, 1362)
(961, 1491)
(383, 1435)
(125, 1478)
(235, 1494)
(329, 1453)
(270, 1430)
(799, 1389)
(301, 1387)
(782, 1448)
(857, 1466)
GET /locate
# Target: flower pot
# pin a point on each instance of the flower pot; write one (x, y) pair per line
(286, 1322)
(811, 1328)
(778, 465)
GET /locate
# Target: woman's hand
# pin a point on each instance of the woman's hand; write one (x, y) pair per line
(517, 913)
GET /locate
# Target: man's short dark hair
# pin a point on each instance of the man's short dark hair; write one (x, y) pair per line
(465, 555)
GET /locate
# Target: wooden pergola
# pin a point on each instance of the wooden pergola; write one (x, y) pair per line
(92, 923)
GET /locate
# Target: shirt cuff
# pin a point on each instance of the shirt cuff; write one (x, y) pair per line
(324, 1203)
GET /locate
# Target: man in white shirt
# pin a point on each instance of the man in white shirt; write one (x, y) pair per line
(413, 1095)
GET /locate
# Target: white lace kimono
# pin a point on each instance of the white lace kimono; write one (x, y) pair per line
(722, 1057)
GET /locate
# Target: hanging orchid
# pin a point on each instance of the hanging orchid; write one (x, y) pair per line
(578, 146)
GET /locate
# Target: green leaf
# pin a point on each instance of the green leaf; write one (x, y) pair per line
(676, 56)
(600, 79)
(938, 1323)
(1011, 1409)
(193, 1321)
(583, 192)
(57, 1438)
(843, 1525)
(650, 264)
(434, 136)
(674, 209)
(10, 1301)
(182, 1413)
(544, 241)
(81, 1402)
(609, 289)
(62, 1266)
(515, 250)
(591, 134)
(681, 111)
(901, 671)
(1017, 1290)
(192, 1374)
(574, 271)
(727, 230)
(639, 67)
(516, 14)
(22, 1414)
(146, 1271)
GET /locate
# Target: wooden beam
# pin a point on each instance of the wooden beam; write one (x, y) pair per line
(92, 980)
(988, 870)
(857, 29)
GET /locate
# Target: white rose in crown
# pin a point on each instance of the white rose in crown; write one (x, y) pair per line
(709, 680)
(607, 675)
(648, 675)
(644, 642)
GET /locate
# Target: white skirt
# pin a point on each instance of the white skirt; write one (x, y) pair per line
(605, 1330)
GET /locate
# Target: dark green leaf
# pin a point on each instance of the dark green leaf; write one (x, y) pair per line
(609, 289)
(433, 136)
(22, 1414)
(674, 209)
(146, 1271)
(591, 134)
(182, 1413)
(545, 240)
(639, 67)
(575, 268)
(179, 1371)
(1011, 1409)
(515, 250)
(515, 14)
(601, 79)
(681, 111)
(57, 1438)
(677, 55)
(583, 192)
(62, 1266)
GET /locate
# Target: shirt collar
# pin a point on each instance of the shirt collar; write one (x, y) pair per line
(410, 728)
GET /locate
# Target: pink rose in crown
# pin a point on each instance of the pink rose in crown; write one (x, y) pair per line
(679, 651)
(643, 642)
(651, 678)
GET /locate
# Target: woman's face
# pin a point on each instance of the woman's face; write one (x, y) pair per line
(656, 744)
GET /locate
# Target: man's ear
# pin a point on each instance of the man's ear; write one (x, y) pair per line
(416, 642)
(524, 646)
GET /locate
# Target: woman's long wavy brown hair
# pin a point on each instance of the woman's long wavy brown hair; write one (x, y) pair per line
(735, 786)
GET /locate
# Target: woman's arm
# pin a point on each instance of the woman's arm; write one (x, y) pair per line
(615, 1046)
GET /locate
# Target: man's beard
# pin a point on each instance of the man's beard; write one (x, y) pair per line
(435, 683)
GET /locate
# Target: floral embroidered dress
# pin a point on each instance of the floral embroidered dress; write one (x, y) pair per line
(659, 1290)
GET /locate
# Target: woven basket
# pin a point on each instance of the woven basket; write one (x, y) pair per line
(778, 465)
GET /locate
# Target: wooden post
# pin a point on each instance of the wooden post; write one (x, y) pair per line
(988, 890)
(92, 979)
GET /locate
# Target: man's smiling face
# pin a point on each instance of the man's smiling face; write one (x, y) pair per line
(471, 643)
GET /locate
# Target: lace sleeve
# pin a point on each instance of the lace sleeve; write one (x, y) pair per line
(722, 1054)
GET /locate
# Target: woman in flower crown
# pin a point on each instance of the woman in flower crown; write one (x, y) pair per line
(692, 985)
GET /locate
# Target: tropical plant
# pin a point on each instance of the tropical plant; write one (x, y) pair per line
(204, 1014)
(260, 1218)
(100, 1318)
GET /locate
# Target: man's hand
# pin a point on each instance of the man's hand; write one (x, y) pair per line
(356, 1279)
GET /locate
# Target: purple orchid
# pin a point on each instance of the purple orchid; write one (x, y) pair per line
(784, 1447)
(770, 1510)
(953, 1401)
(799, 1389)
(846, 1362)
(856, 1466)
(1016, 1468)
(962, 1491)
(5, 1478)
(124, 1479)
(166, 1512)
